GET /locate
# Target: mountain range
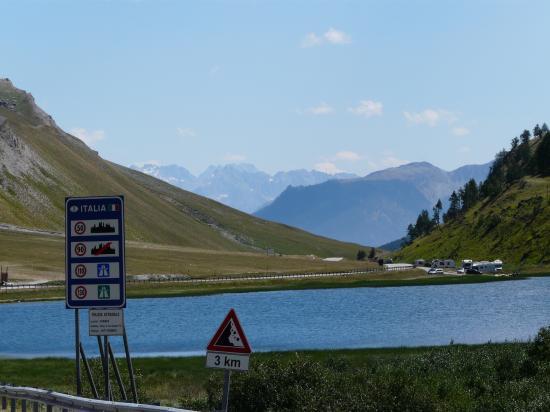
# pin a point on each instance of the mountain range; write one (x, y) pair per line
(375, 209)
(241, 186)
(40, 165)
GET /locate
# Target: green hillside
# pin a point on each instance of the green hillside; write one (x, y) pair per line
(506, 217)
(514, 226)
(40, 165)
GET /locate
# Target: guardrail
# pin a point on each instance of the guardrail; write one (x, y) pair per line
(30, 399)
(214, 279)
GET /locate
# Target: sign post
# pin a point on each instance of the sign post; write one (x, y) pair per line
(228, 349)
(95, 270)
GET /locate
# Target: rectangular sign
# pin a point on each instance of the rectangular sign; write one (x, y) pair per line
(99, 227)
(94, 252)
(106, 322)
(96, 270)
(97, 248)
(221, 360)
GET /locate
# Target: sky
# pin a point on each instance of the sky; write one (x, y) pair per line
(351, 86)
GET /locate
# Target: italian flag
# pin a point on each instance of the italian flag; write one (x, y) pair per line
(115, 207)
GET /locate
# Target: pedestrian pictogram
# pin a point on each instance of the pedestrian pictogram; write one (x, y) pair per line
(80, 249)
(80, 271)
(80, 292)
(230, 337)
(104, 292)
(103, 270)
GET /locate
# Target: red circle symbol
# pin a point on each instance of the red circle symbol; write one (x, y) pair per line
(80, 292)
(80, 271)
(79, 228)
(80, 249)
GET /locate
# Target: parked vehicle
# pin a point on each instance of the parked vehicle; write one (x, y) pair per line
(460, 271)
(473, 271)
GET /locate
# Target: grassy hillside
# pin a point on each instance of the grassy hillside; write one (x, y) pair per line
(40, 165)
(514, 226)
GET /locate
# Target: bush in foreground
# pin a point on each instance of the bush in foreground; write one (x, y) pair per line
(491, 377)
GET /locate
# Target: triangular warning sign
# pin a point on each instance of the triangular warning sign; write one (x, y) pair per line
(230, 336)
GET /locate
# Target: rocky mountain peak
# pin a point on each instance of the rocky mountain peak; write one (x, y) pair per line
(23, 103)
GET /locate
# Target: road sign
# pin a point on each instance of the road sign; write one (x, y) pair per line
(229, 348)
(106, 322)
(95, 267)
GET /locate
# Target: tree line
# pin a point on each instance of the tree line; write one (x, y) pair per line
(527, 156)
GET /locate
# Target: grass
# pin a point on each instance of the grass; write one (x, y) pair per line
(455, 377)
(156, 212)
(32, 256)
(179, 289)
(514, 227)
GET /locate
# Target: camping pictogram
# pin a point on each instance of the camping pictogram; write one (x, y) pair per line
(230, 336)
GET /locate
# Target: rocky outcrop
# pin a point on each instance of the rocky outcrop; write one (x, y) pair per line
(20, 101)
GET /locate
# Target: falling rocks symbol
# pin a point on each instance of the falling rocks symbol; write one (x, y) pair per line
(230, 337)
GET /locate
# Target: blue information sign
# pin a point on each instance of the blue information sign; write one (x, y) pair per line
(94, 250)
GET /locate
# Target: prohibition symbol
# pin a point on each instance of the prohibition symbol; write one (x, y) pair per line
(79, 228)
(80, 292)
(80, 249)
(80, 271)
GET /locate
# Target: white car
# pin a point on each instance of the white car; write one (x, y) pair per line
(434, 271)
(460, 271)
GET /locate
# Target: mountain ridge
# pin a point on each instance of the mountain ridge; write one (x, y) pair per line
(422, 181)
(40, 165)
(239, 185)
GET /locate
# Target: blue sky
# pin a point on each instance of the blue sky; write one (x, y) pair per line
(334, 85)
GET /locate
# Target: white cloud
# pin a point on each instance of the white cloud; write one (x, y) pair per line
(431, 117)
(327, 167)
(368, 108)
(311, 40)
(334, 36)
(464, 149)
(232, 157)
(320, 110)
(89, 137)
(347, 156)
(461, 131)
(331, 36)
(186, 132)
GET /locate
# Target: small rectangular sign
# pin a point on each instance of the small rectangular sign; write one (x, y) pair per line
(94, 249)
(106, 322)
(100, 227)
(96, 270)
(220, 360)
(95, 293)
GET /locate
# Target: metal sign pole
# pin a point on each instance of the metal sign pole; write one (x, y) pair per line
(106, 363)
(130, 366)
(226, 384)
(77, 352)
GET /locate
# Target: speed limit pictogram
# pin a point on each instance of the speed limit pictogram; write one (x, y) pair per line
(79, 227)
(80, 271)
(80, 249)
(80, 292)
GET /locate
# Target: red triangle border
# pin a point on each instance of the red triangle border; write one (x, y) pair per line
(232, 315)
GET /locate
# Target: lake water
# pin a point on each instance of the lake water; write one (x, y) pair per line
(287, 320)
